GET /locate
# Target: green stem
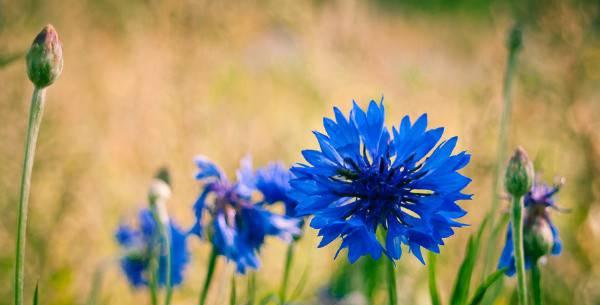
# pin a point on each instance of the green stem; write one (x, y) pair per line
(433, 291)
(517, 231)
(392, 295)
(154, 265)
(212, 261)
(168, 284)
(35, 118)
(501, 148)
(536, 283)
(251, 288)
(232, 293)
(286, 273)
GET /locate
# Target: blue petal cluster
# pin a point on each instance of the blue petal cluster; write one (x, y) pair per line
(140, 243)
(365, 178)
(239, 225)
(273, 181)
(537, 203)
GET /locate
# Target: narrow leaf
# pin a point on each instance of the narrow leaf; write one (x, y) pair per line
(480, 292)
(267, 299)
(36, 294)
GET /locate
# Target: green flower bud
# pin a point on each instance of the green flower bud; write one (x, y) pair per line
(537, 237)
(45, 58)
(514, 41)
(519, 174)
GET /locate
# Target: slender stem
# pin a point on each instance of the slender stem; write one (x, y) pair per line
(286, 273)
(433, 291)
(251, 288)
(392, 295)
(35, 118)
(536, 283)
(154, 265)
(232, 292)
(168, 284)
(501, 148)
(212, 261)
(517, 231)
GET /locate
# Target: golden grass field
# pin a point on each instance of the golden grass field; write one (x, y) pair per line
(152, 83)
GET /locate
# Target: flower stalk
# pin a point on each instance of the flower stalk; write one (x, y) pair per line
(44, 65)
(392, 295)
(286, 273)
(33, 127)
(518, 182)
(536, 283)
(514, 45)
(212, 262)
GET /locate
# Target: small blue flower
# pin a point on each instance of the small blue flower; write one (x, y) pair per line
(364, 178)
(537, 222)
(238, 225)
(273, 181)
(139, 244)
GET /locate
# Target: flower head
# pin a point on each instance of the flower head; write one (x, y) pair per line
(540, 233)
(238, 225)
(140, 245)
(45, 58)
(364, 178)
(273, 181)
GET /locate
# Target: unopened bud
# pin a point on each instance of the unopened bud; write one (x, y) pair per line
(514, 41)
(519, 174)
(537, 238)
(45, 58)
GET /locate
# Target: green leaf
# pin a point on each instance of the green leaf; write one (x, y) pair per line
(301, 284)
(480, 292)
(267, 299)
(462, 284)
(433, 291)
(36, 294)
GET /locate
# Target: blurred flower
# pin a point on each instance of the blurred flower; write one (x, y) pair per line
(519, 174)
(45, 58)
(362, 180)
(238, 226)
(140, 244)
(540, 234)
(273, 181)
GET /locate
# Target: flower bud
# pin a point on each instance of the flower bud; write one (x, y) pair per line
(159, 193)
(514, 41)
(45, 58)
(519, 174)
(537, 238)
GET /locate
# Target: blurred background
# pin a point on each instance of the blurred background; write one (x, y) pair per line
(152, 83)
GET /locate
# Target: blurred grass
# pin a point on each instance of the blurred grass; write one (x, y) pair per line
(149, 83)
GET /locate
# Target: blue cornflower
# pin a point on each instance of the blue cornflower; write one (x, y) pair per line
(239, 225)
(140, 244)
(540, 233)
(365, 178)
(273, 181)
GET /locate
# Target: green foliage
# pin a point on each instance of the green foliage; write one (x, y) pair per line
(36, 294)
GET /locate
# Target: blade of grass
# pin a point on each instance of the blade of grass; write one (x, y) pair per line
(433, 290)
(36, 294)
(301, 284)
(481, 290)
(462, 283)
